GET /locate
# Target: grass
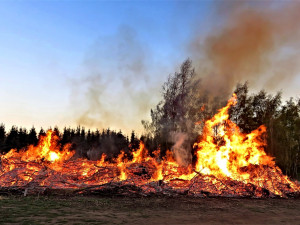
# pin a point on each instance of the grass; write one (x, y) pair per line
(154, 210)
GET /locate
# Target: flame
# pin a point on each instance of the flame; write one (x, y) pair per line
(47, 149)
(224, 150)
(229, 163)
(122, 166)
(138, 155)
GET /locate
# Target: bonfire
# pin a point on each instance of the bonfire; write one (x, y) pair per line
(229, 164)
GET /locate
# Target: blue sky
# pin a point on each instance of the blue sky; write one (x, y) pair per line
(44, 46)
(55, 56)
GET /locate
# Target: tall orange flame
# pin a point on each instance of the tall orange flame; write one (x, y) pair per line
(224, 150)
(229, 163)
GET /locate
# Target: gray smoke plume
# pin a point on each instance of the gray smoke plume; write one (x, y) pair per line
(249, 41)
(114, 89)
(181, 148)
(254, 41)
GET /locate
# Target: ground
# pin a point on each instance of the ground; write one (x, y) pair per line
(148, 210)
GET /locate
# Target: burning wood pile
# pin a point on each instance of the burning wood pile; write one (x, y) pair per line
(229, 164)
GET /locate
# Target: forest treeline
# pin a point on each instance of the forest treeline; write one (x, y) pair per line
(186, 104)
(179, 118)
(86, 143)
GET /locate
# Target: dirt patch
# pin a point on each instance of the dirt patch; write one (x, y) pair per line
(150, 210)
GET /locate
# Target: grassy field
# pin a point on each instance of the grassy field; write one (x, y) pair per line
(154, 210)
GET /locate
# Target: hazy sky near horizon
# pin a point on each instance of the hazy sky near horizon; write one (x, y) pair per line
(56, 56)
(47, 46)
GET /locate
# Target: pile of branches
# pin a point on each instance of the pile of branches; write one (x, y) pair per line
(36, 178)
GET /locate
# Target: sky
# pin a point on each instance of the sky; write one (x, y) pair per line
(95, 63)
(46, 46)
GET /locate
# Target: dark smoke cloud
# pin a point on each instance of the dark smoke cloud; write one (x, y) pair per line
(114, 89)
(255, 41)
(251, 41)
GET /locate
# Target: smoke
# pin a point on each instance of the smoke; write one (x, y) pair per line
(108, 147)
(252, 41)
(256, 42)
(181, 148)
(114, 88)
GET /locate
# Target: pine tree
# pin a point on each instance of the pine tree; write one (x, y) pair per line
(2, 137)
(12, 139)
(32, 137)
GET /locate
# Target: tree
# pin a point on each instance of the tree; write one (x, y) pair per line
(2, 136)
(251, 111)
(173, 112)
(134, 142)
(66, 136)
(183, 104)
(12, 140)
(286, 137)
(32, 137)
(42, 133)
(282, 122)
(23, 138)
(56, 131)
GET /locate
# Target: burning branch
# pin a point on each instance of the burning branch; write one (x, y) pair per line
(234, 166)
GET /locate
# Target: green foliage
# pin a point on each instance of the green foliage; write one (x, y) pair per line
(90, 144)
(285, 137)
(185, 103)
(181, 113)
(183, 109)
(2, 136)
(282, 122)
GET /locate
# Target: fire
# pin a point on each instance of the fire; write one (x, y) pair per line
(121, 166)
(47, 150)
(53, 156)
(229, 163)
(224, 152)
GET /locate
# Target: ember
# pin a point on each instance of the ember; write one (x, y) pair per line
(229, 164)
